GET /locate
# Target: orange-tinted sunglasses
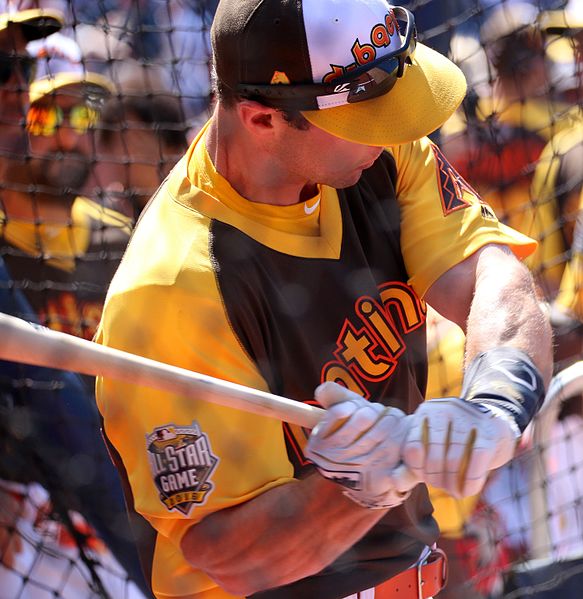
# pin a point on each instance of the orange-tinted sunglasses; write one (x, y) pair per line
(46, 120)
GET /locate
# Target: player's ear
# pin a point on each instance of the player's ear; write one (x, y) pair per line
(256, 117)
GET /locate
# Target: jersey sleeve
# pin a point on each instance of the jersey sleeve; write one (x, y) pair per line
(182, 455)
(443, 219)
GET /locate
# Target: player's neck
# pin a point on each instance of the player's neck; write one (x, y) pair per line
(254, 173)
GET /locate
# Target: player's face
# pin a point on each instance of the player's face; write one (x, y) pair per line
(320, 157)
(60, 149)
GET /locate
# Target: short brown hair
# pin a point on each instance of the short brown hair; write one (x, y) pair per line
(229, 98)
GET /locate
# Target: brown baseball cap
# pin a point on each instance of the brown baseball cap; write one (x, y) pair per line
(353, 68)
(35, 23)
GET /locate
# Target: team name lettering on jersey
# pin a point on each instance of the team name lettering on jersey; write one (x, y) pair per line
(368, 346)
(363, 53)
(181, 462)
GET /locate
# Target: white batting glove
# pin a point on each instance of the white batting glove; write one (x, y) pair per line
(357, 444)
(452, 444)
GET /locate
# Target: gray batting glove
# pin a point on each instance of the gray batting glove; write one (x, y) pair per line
(452, 444)
(357, 444)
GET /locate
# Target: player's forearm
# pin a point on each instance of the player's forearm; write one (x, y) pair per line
(506, 312)
(285, 534)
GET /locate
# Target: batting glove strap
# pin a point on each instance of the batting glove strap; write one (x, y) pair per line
(381, 502)
(362, 488)
(505, 380)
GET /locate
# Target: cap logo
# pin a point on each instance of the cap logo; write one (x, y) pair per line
(380, 37)
(279, 77)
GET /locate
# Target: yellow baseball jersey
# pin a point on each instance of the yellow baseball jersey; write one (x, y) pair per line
(279, 298)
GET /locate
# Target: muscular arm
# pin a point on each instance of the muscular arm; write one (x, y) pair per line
(496, 305)
(285, 534)
(454, 442)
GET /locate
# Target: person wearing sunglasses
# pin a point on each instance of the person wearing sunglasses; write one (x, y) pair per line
(17, 28)
(58, 251)
(294, 249)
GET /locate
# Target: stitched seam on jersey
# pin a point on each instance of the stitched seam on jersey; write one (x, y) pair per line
(317, 244)
(214, 264)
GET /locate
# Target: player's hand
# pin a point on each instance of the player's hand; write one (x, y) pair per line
(357, 444)
(452, 444)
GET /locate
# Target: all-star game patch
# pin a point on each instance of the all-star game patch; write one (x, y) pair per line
(182, 461)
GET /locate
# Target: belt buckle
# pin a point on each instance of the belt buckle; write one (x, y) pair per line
(423, 561)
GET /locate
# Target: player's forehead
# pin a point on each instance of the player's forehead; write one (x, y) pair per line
(64, 97)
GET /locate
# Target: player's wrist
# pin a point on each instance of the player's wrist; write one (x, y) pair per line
(506, 417)
(506, 381)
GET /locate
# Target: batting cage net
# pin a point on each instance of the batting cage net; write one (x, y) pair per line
(76, 172)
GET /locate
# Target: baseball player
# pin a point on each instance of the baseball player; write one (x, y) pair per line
(293, 249)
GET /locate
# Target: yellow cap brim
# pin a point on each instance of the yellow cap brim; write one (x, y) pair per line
(92, 82)
(36, 23)
(556, 21)
(429, 92)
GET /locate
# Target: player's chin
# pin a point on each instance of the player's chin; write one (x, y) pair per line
(349, 179)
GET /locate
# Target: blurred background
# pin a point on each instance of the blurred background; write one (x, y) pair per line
(99, 100)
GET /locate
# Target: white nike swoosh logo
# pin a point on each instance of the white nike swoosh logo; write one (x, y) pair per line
(311, 210)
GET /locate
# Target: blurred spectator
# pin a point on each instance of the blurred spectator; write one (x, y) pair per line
(46, 560)
(495, 144)
(130, 21)
(539, 496)
(500, 147)
(558, 192)
(103, 51)
(43, 212)
(170, 37)
(565, 43)
(16, 69)
(186, 51)
(56, 254)
(497, 137)
(142, 134)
